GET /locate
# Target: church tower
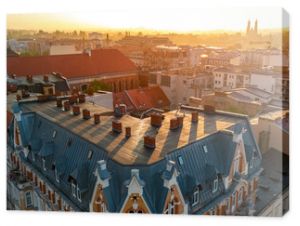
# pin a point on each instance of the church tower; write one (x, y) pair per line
(255, 26)
(248, 27)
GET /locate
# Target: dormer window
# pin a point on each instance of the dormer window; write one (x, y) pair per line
(205, 148)
(90, 154)
(78, 194)
(44, 164)
(195, 197)
(73, 189)
(56, 175)
(215, 185)
(180, 160)
(54, 134)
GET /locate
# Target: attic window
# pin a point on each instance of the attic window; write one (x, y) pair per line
(69, 143)
(195, 196)
(215, 187)
(180, 160)
(90, 154)
(54, 134)
(78, 194)
(205, 148)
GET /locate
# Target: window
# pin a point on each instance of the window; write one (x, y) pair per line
(73, 188)
(165, 81)
(56, 175)
(195, 197)
(171, 208)
(54, 134)
(240, 198)
(78, 194)
(236, 165)
(180, 160)
(90, 154)
(28, 199)
(215, 187)
(44, 164)
(205, 148)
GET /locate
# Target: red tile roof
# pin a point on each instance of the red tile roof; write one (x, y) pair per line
(73, 65)
(143, 98)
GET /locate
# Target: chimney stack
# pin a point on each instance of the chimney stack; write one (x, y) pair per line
(116, 126)
(73, 99)
(156, 119)
(86, 114)
(81, 98)
(18, 97)
(209, 109)
(128, 131)
(149, 142)
(180, 121)
(96, 118)
(195, 116)
(173, 123)
(67, 105)
(76, 110)
(46, 78)
(59, 103)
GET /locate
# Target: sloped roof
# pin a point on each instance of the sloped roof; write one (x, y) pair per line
(143, 98)
(101, 61)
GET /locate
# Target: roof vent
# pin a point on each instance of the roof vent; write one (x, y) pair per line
(116, 126)
(156, 119)
(96, 118)
(209, 109)
(149, 142)
(195, 116)
(86, 114)
(76, 110)
(67, 105)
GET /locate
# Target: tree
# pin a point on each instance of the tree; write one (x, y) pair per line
(98, 85)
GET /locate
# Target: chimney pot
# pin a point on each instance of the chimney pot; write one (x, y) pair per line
(173, 123)
(180, 120)
(29, 78)
(76, 110)
(96, 118)
(149, 142)
(18, 97)
(86, 114)
(116, 126)
(67, 105)
(81, 98)
(46, 78)
(156, 120)
(73, 99)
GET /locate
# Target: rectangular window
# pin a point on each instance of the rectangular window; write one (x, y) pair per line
(56, 175)
(73, 188)
(205, 148)
(195, 197)
(90, 154)
(54, 134)
(215, 186)
(165, 81)
(180, 160)
(78, 194)
(28, 199)
(44, 164)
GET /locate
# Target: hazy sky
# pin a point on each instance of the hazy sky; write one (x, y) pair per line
(162, 19)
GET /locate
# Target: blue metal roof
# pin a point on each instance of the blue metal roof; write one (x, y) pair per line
(197, 166)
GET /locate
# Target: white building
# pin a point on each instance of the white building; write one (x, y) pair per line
(63, 50)
(230, 79)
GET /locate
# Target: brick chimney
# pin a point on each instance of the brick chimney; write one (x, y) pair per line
(149, 142)
(46, 78)
(209, 109)
(81, 98)
(76, 110)
(173, 123)
(96, 118)
(195, 116)
(59, 103)
(67, 105)
(156, 119)
(128, 131)
(180, 120)
(86, 114)
(116, 126)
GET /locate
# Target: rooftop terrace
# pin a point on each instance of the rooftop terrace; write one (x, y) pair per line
(132, 150)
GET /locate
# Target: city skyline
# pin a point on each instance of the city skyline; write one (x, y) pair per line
(162, 21)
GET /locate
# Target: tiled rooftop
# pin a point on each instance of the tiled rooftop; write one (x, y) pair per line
(131, 150)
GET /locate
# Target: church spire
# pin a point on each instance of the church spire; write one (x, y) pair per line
(248, 27)
(255, 26)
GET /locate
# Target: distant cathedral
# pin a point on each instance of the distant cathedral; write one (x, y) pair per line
(254, 40)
